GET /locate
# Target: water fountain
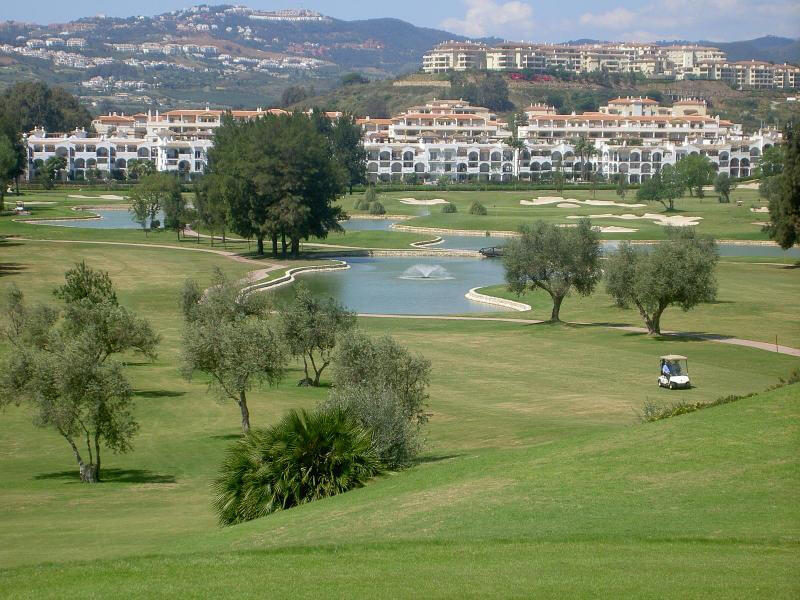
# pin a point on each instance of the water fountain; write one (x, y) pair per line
(432, 272)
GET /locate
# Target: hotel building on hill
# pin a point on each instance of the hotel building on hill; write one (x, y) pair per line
(633, 136)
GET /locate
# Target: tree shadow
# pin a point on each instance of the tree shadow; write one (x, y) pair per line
(158, 394)
(10, 268)
(794, 266)
(432, 458)
(111, 476)
(227, 436)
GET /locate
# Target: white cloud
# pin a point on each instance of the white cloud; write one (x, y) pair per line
(486, 17)
(619, 18)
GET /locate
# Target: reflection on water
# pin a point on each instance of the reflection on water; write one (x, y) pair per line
(109, 219)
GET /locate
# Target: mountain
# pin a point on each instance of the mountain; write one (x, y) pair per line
(770, 48)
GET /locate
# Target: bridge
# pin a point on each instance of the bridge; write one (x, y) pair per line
(492, 251)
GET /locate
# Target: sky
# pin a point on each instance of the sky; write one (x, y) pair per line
(535, 20)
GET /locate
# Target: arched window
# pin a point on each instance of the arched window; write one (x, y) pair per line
(508, 168)
(556, 156)
(372, 167)
(143, 152)
(419, 167)
(386, 155)
(120, 163)
(484, 167)
(496, 156)
(102, 152)
(396, 167)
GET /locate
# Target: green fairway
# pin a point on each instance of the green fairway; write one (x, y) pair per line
(755, 301)
(505, 213)
(538, 478)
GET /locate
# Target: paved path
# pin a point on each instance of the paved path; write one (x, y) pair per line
(711, 337)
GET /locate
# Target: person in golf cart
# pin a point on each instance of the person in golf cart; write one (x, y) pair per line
(674, 372)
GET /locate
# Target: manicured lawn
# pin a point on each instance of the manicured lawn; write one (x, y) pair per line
(537, 480)
(755, 301)
(505, 213)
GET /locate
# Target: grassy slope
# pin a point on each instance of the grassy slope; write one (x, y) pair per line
(534, 474)
(723, 221)
(696, 506)
(755, 301)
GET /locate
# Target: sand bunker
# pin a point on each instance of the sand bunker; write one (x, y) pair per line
(423, 202)
(103, 197)
(674, 220)
(760, 209)
(561, 202)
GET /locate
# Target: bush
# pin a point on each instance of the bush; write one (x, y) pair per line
(304, 457)
(477, 209)
(385, 386)
(449, 208)
(376, 208)
(396, 440)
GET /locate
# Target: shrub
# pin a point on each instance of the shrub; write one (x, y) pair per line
(477, 209)
(449, 208)
(376, 208)
(396, 440)
(304, 457)
(385, 386)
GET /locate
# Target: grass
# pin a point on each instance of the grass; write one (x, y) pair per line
(723, 221)
(537, 479)
(755, 301)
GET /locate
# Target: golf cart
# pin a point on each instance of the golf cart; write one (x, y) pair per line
(674, 372)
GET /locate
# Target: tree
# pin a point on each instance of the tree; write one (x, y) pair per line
(153, 193)
(347, 142)
(585, 149)
(663, 187)
(8, 166)
(176, 211)
(62, 365)
(211, 206)
(622, 186)
(361, 360)
(140, 167)
(772, 161)
(34, 104)
(724, 185)
(311, 328)
(294, 94)
(228, 337)
(784, 205)
(53, 167)
(558, 178)
(696, 172)
(353, 79)
(554, 259)
(678, 271)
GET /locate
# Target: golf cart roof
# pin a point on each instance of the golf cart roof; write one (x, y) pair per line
(673, 357)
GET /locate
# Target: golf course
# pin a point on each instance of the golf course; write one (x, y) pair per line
(538, 476)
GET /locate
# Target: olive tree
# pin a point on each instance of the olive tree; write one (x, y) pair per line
(311, 327)
(678, 271)
(554, 259)
(61, 364)
(386, 387)
(229, 337)
(724, 185)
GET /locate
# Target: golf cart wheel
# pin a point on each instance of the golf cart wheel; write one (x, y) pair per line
(672, 386)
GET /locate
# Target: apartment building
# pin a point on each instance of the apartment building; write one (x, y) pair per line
(746, 73)
(633, 136)
(650, 60)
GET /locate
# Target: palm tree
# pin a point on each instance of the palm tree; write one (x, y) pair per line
(585, 149)
(518, 145)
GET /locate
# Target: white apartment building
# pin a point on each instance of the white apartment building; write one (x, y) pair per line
(650, 60)
(632, 136)
(443, 138)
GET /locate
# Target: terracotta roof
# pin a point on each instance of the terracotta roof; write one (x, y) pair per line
(689, 102)
(644, 100)
(114, 119)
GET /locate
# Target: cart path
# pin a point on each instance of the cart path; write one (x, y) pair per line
(710, 337)
(261, 273)
(254, 275)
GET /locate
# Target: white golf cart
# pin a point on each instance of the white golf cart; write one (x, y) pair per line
(674, 372)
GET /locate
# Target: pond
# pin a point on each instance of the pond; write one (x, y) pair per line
(464, 242)
(407, 285)
(109, 219)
